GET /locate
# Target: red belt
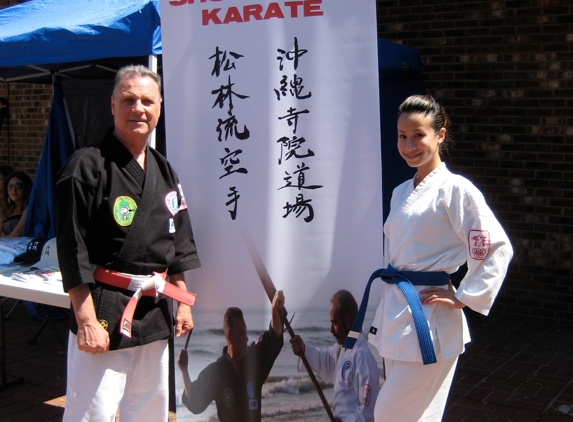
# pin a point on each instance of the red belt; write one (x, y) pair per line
(142, 286)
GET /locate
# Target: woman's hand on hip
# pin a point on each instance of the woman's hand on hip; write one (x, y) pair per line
(437, 295)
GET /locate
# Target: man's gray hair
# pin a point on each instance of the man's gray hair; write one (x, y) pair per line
(136, 70)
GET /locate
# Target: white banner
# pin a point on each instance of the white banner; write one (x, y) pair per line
(272, 123)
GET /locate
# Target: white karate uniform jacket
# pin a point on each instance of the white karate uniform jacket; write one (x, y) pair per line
(354, 374)
(438, 226)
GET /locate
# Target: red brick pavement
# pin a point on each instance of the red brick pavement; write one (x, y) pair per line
(42, 365)
(517, 369)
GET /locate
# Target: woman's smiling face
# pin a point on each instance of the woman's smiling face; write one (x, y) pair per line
(418, 143)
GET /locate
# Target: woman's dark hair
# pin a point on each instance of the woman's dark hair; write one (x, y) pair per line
(428, 106)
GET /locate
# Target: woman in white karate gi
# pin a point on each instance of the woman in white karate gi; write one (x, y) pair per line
(437, 222)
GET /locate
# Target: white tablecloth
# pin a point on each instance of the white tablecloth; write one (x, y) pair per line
(39, 292)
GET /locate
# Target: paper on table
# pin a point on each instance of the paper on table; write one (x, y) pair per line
(48, 275)
(8, 268)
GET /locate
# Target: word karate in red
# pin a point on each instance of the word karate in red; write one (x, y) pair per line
(257, 12)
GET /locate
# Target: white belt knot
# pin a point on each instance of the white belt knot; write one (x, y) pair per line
(140, 283)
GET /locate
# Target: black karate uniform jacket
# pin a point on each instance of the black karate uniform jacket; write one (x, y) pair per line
(238, 396)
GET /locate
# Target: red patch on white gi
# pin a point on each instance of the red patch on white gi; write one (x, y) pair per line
(183, 205)
(479, 244)
(366, 394)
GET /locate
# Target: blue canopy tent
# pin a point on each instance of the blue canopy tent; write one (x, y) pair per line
(69, 37)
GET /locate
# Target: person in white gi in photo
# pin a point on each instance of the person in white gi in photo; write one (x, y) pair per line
(353, 372)
(437, 222)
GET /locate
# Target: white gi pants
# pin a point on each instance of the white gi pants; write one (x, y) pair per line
(135, 379)
(414, 392)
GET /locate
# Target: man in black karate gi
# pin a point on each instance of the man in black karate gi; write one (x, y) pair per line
(120, 208)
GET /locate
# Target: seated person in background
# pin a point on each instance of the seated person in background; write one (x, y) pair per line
(354, 372)
(236, 379)
(17, 187)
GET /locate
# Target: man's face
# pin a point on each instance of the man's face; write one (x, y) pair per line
(339, 325)
(238, 339)
(136, 106)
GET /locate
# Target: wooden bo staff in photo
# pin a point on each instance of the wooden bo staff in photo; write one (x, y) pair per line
(271, 290)
(188, 338)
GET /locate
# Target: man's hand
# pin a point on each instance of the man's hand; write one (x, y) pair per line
(278, 301)
(183, 316)
(297, 345)
(278, 308)
(183, 360)
(93, 338)
(183, 320)
(441, 296)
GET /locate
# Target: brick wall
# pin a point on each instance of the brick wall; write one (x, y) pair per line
(24, 128)
(504, 70)
(23, 131)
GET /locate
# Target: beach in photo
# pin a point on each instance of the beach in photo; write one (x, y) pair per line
(288, 395)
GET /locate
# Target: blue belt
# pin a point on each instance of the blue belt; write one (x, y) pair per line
(405, 280)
